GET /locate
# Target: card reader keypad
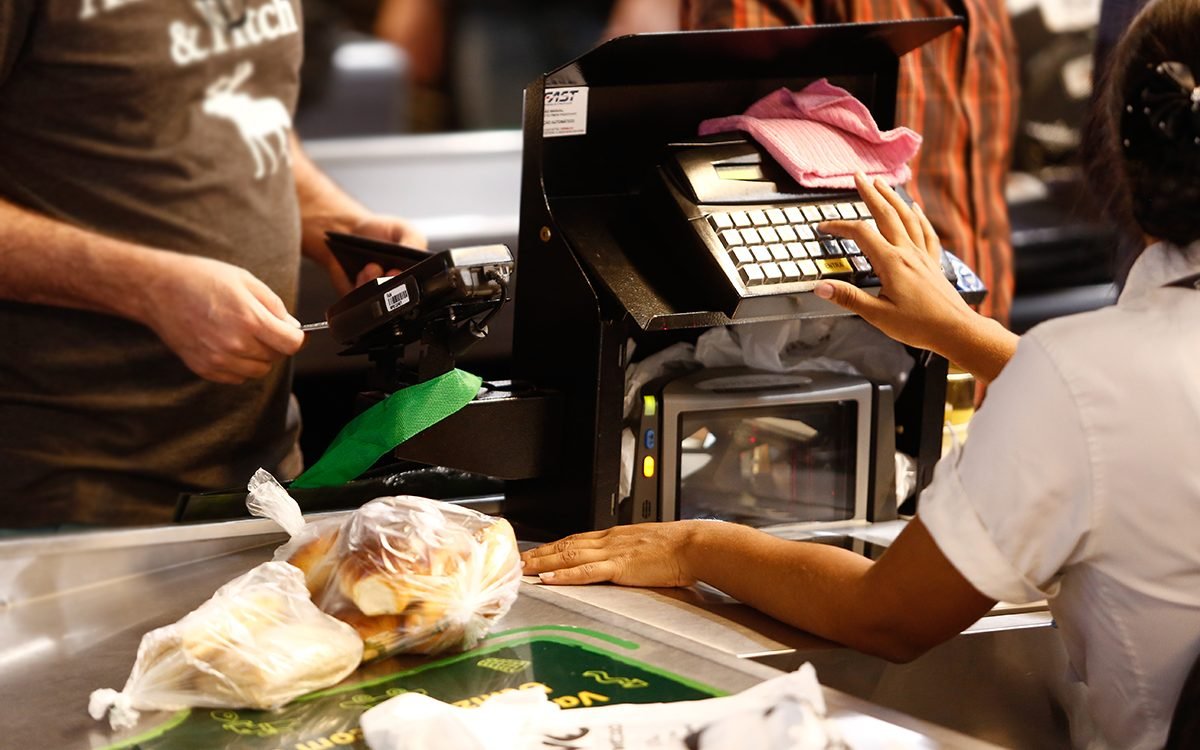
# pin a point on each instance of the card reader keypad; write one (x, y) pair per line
(779, 246)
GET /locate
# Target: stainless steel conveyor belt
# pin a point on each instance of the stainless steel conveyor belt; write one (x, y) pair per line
(76, 606)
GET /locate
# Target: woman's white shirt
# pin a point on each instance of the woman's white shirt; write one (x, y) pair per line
(1080, 484)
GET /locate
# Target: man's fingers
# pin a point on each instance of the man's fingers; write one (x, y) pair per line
(592, 572)
(277, 329)
(280, 335)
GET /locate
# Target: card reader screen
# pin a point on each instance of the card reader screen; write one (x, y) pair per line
(763, 466)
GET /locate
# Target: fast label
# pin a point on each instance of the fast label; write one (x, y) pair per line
(565, 112)
(398, 297)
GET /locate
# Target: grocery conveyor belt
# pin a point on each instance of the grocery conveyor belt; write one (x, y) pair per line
(76, 606)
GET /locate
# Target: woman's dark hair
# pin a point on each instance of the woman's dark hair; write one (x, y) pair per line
(1144, 134)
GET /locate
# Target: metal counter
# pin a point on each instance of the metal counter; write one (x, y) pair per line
(74, 608)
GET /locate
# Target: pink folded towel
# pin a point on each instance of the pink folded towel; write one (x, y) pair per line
(822, 135)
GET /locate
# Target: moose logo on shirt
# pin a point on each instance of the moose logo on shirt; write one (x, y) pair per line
(263, 123)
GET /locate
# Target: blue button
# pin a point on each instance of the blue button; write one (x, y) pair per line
(650, 439)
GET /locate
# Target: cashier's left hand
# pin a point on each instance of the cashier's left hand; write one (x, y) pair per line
(644, 554)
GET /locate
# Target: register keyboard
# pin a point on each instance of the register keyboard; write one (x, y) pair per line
(748, 233)
(781, 249)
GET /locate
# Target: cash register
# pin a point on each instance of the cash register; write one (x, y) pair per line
(636, 235)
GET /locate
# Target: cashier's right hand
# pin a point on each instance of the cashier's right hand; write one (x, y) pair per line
(916, 304)
(223, 322)
(644, 554)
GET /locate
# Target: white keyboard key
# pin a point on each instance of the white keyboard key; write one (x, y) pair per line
(812, 213)
(720, 221)
(808, 269)
(797, 251)
(793, 214)
(752, 275)
(761, 254)
(742, 255)
(805, 232)
(731, 237)
(751, 236)
(846, 211)
(772, 272)
(778, 252)
(791, 272)
(814, 249)
(775, 216)
(758, 218)
(740, 219)
(830, 212)
(863, 211)
(787, 234)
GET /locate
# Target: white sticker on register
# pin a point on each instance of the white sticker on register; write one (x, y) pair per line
(396, 298)
(565, 111)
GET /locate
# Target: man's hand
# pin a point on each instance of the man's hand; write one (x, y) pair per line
(376, 227)
(387, 229)
(225, 324)
(645, 554)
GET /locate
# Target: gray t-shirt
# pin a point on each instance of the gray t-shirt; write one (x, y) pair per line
(165, 123)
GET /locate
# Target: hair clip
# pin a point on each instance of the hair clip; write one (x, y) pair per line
(1171, 99)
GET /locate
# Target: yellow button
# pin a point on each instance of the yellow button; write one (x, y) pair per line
(649, 406)
(648, 466)
(834, 266)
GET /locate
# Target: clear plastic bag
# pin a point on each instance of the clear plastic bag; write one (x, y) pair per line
(258, 642)
(410, 574)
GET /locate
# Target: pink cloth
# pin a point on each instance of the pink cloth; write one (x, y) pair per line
(822, 135)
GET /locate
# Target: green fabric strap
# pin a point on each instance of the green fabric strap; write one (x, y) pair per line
(388, 424)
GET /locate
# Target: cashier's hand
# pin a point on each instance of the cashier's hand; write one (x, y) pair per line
(917, 304)
(644, 554)
(223, 322)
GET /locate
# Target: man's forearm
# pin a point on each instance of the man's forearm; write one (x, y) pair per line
(49, 262)
(324, 206)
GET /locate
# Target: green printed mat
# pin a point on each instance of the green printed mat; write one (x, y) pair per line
(573, 674)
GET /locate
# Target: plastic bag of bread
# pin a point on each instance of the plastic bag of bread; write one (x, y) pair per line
(258, 642)
(412, 575)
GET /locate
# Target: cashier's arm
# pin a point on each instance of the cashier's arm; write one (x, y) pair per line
(909, 601)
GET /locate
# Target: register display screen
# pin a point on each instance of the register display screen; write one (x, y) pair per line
(763, 466)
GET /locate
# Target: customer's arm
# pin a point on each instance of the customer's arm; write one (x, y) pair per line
(325, 207)
(225, 324)
(909, 601)
(916, 304)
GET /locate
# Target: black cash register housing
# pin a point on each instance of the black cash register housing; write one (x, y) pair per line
(601, 263)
